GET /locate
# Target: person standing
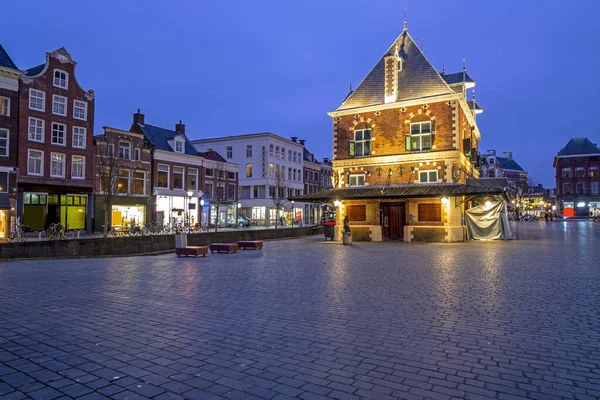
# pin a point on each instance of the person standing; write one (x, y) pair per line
(546, 216)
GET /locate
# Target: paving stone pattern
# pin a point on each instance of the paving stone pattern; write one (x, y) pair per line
(311, 319)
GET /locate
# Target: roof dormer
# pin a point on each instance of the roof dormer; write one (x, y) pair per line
(177, 143)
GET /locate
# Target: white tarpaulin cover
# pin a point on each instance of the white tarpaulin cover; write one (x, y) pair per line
(488, 221)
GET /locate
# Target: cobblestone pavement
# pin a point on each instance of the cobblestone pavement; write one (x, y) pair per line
(313, 320)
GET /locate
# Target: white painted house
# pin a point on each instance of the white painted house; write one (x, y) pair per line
(263, 157)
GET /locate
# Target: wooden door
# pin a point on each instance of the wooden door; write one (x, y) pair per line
(393, 221)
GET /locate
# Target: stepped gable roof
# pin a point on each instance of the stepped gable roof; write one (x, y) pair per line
(577, 146)
(159, 137)
(5, 60)
(457, 77)
(509, 164)
(417, 79)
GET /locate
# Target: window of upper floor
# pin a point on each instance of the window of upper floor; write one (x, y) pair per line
(579, 172)
(421, 136)
(162, 176)
(124, 150)
(80, 110)
(137, 154)
(61, 79)
(229, 152)
(4, 142)
(248, 150)
(566, 172)
(361, 145)
(248, 170)
(209, 172)
(179, 146)
(4, 106)
(593, 172)
(356, 180)
(428, 176)
(59, 105)
(37, 100)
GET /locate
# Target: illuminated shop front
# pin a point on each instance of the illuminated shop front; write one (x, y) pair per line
(177, 210)
(3, 224)
(130, 215)
(42, 209)
(227, 214)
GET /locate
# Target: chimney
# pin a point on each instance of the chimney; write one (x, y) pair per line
(294, 139)
(491, 152)
(302, 141)
(180, 128)
(326, 160)
(138, 118)
(508, 154)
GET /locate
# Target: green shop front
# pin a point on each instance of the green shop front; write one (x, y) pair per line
(41, 209)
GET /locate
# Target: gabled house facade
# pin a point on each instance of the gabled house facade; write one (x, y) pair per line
(404, 143)
(494, 166)
(56, 156)
(9, 136)
(578, 178)
(122, 179)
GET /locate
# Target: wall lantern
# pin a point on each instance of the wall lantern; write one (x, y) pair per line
(201, 202)
(190, 193)
(581, 204)
(337, 203)
(445, 201)
(239, 205)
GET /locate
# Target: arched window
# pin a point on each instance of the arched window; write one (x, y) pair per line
(361, 145)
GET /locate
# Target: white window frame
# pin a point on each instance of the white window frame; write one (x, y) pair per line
(73, 157)
(182, 177)
(357, 179)
(190, 172)
(362, 141)
(137, 154)
(36, 120)
(66, 86)
(135, 179)
(43, 99)
(7, 108)
(64, 143)
(64, 163)
(168, 171)
(110, 150)
(7, 142)
(55, 97)
(179, 143)
(128, 147)
(580, 169)
(41, 173)
(81, 131)
(248, 151)
(428, 176)
(421, 135)
(75, 108)
(251, 170)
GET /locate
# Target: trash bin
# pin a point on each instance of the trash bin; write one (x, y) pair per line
(180, 241)
(329, 228)
(347, 237)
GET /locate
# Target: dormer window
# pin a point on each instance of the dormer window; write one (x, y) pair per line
(60, 79)
(179, 146)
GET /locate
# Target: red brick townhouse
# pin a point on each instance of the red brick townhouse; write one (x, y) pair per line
(9, 119)
(184, 183)
(56, 158)
(404, 144)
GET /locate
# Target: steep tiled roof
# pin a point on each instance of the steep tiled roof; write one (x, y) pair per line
(308, 156)
(400, 191)
(159, 137)
(212, 155)
(5, 60)
(579, 146)
(417, 79)
(509, 163)
(35, 70)
(457, 77)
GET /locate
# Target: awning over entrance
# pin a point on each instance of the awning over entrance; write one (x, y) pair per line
(401, 191)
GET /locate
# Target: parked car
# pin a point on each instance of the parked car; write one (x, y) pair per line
(243, 221)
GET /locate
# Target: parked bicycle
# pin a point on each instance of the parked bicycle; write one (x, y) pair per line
(16, 233)
(59, 232)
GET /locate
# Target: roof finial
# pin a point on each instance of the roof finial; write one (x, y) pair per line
(464, 64)
(422, 49)
(405, 25)
(443, 68)
(351, 90)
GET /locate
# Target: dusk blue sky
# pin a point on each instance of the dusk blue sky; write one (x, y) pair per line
(234, 67)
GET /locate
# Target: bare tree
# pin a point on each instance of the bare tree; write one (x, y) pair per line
(520, 189)
(107, 184)
(279, 188)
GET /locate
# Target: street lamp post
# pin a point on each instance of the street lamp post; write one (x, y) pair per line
(200, 214)
(189, 193)
(293, 214)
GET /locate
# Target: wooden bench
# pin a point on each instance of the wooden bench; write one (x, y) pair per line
(251, 244)
(224, 247)
(192, 251)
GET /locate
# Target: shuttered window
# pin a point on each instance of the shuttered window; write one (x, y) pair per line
(357, 213)
(430, 212)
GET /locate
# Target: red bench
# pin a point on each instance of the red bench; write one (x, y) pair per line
(224, 247)
(251, 244)
(192, 251)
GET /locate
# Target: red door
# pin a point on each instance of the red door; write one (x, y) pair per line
(393, 221)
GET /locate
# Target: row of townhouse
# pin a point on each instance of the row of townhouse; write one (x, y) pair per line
(53, 168)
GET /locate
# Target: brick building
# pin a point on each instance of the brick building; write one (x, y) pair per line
(404, 143)
(317, 177)
(578, 178)
(9, 119)
(494, 166)
(55, 162)
(122, 179)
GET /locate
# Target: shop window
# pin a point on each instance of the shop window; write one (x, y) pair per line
(430, 212)
(178, 177)
(123, 184)
(163, 176)
(140, 182)
(420, 138)
(428, 176)
(356, 212)
(192, 179)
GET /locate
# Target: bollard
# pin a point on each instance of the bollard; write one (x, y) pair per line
(78, 232)
(40, 235)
